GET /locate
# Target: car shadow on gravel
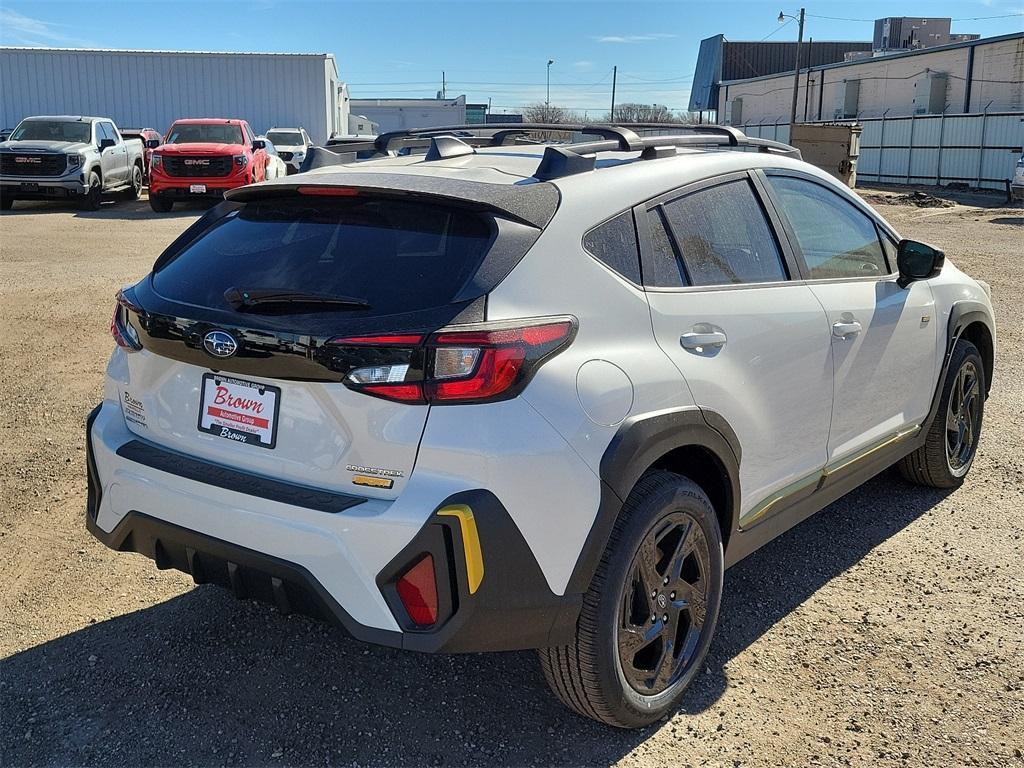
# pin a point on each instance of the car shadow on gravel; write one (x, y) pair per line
(203, 679)
(110, 209)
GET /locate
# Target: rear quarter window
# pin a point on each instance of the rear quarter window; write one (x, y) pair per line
(614, 244)
(399, 256)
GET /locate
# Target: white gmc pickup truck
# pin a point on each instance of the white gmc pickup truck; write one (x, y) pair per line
(67, 157)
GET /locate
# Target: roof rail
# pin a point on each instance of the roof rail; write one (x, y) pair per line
(627, 139)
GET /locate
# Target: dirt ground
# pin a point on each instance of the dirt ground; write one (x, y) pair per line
(886, 630)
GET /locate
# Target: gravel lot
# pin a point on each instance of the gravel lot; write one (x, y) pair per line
(886, 630)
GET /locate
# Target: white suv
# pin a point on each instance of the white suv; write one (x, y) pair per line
(507, 396)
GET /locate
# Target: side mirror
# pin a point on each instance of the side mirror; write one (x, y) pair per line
(152, 143)
(917, 261)
(259, 144)
(104, 143)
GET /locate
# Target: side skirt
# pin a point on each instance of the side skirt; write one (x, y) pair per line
(797, 502)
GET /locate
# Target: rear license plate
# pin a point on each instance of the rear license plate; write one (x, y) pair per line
(238, 410)
(197, 188)
(29, 186)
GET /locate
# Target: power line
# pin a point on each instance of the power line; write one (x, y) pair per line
(962, 18)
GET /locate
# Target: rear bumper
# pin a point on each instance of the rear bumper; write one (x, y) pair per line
(331, 560)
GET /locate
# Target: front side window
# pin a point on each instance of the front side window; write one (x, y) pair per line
(836, 239)
(722, 237)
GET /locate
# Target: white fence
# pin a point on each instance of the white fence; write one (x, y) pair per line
(980, 150)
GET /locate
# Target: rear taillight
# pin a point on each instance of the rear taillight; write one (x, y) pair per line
(124, 334)
(469, 364)
(417, 589)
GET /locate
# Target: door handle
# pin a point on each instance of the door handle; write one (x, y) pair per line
(700, 341)
(845, 329)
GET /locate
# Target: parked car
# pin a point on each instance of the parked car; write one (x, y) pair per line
(538, 398)
(292, 145)
(64, 157)
(1017, 185)
(150, 138)
(204, 158)
(276, 167)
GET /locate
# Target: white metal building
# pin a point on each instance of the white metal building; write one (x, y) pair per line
(399, 114)
(151, 89)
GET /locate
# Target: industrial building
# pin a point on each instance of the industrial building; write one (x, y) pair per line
(153, 88)
(400, 114)
(719, 60)
(972, 76)
(907, 33)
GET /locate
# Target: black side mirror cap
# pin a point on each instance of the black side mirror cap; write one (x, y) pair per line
(917, 261)
(259, 144)
(153, 143)
(104, 143)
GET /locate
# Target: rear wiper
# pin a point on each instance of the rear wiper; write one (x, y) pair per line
(241, 299)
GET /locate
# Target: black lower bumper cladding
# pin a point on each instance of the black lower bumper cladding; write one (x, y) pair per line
(512, 609)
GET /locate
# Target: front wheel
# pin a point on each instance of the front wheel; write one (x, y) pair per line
(160, 204)
(651, 609)
(952, 441)
(91, 199)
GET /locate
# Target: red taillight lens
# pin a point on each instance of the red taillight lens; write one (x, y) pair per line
(124, 335)
(478, 365)
(417, 589)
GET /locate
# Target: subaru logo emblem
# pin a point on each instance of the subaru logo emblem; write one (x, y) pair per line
(220, 344)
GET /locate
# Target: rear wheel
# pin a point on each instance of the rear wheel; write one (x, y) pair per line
(134, 191)
(952, 442)
(159, 203)
(651, 610)
(91, 199)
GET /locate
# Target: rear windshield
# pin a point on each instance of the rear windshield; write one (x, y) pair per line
(396, 255)
(198, 133)
(53, 130)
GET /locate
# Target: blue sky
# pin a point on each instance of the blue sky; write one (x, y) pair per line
(488, 48)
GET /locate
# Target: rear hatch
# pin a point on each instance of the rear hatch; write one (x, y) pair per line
(256, 340)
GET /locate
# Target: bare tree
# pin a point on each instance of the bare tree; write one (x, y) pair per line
(548, 113)
(643, 113)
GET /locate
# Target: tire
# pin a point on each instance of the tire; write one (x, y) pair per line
(664, 512)
(160, 204)
(952, 441)
(90, 201)
(134, 191)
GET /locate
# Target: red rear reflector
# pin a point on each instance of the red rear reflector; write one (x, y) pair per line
(392, 340)
(328, 191)
(417, 590)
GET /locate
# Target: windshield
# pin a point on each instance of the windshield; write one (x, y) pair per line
(398, 256)
(53, 130)
(286, 138)
(198, 133)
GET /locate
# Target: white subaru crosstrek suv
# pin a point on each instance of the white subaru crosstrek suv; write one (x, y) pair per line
(292, 145)
(502, 396)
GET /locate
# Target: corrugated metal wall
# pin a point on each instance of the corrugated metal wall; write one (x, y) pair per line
(980, 150)
(141, 89)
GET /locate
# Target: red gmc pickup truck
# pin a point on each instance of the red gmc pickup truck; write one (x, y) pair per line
(204, 157)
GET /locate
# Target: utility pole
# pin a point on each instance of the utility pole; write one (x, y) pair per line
(547, 100)
(444, 86)
(615, 75)
(796, 65)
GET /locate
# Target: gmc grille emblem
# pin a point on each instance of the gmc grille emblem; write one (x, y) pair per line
(197, 162)
(28, 159)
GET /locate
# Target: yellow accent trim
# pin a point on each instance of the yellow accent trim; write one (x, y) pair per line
(470, 543)
(763, 509)
(373, 482)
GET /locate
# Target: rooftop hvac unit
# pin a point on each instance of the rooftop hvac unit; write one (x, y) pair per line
(930, 93)
(847, 99)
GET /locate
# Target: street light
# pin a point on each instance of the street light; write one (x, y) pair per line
(547, 101)
(796, 65)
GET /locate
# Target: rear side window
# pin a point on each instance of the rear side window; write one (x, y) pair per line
(836, 239)
(396, 255)
(722, 237)
(614, 244)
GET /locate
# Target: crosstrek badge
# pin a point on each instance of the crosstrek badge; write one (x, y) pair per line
(238, 410)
